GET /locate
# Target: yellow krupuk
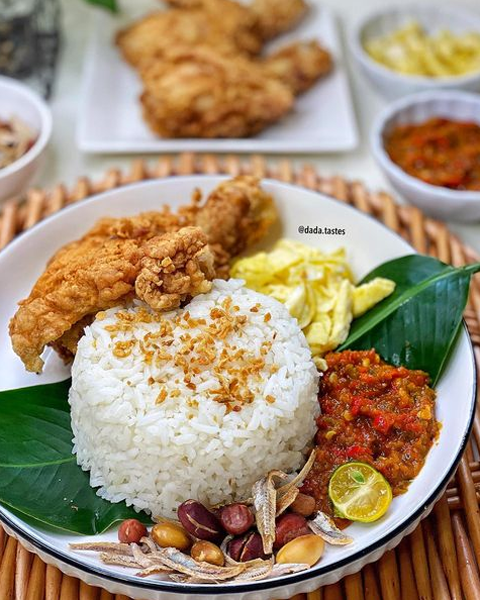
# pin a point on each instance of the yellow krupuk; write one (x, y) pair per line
(317, 288)
(413, 51)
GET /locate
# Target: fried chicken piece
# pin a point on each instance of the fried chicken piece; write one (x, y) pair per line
(299, 65)
(198, 93)
(160, 257)
(195, 93)
(97, 274)
(237, 214)
(274, 17)
(149, 38)
(175, 267)
(269, 18)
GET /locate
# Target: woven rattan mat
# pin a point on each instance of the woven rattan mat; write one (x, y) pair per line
(440, 559)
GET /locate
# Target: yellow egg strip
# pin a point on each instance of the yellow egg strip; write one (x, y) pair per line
(317, 288)
(412, 51)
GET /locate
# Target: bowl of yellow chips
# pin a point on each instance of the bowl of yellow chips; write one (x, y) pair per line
(407, 49)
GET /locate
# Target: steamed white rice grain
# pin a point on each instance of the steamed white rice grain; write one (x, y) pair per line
(151, 417)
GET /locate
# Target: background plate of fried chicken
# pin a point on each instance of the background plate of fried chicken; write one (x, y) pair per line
(216, 75)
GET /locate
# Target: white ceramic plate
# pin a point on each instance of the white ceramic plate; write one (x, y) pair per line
(111, 121)
(368, 243)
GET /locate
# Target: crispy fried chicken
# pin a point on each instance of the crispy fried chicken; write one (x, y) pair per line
(268, 18)
(160, 257)
(149, 38)
(274, 17)
(197, 92)
(202, 73)
(298, 65)
(200, 93)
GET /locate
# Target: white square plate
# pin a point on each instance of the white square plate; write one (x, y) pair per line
(110, 120)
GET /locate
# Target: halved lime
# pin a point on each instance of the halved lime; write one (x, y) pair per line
(359, 492)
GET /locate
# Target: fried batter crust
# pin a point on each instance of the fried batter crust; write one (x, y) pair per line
(274, 17)
(200, 93)
(299, 65)
(149, 38)
(160, 257)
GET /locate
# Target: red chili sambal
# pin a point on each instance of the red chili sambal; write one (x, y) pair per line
(438, 151)
(375, 413)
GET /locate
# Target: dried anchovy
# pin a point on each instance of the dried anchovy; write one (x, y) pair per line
(119, 548)
(224, 548)
(284, 569)
(255, 572)
(154, 570)
(149, 543)
(143, 560)
(265, 502)
(180, 578)
(287, 498)
(299, 478)
(120, 560)
(185, 564)
(323, 526)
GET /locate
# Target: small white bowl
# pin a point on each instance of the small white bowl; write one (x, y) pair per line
(432, 18)
(437, 201)
(17, 100)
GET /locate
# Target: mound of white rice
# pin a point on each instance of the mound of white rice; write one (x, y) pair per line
(196, 403)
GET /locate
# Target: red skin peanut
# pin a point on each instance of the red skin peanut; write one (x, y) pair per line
(236, 518)
(131, 531)
(289, 526)
(199, 521)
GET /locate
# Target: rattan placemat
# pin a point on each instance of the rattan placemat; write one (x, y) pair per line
(440, 559)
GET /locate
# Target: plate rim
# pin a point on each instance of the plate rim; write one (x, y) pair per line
(232, 588)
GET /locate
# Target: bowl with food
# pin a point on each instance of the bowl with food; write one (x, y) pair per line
(412, 48)
(25, 129)
(228, 397)
(428, 146)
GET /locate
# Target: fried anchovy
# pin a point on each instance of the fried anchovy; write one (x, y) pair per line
(284, 500)
(256, 572)
(149, 544)
(284, 569)
(299, 478)
(120, 560)
(224, 548)
(265, 503)
(144, 560)
(182, 563)
(118, 548)
(154, 570)
(323, 526)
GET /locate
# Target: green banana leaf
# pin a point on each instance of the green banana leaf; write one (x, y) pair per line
(108, 4)
(39, 478)
(416, 326)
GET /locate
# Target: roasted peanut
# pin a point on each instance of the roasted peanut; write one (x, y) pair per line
(306, 549)
(131, 531)
(203, 551)
(170, 535)
(288, 527)
(303, 505)
(247, 547)
(199, 521)
(236, 518)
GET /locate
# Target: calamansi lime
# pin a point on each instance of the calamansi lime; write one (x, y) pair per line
(359, 492)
